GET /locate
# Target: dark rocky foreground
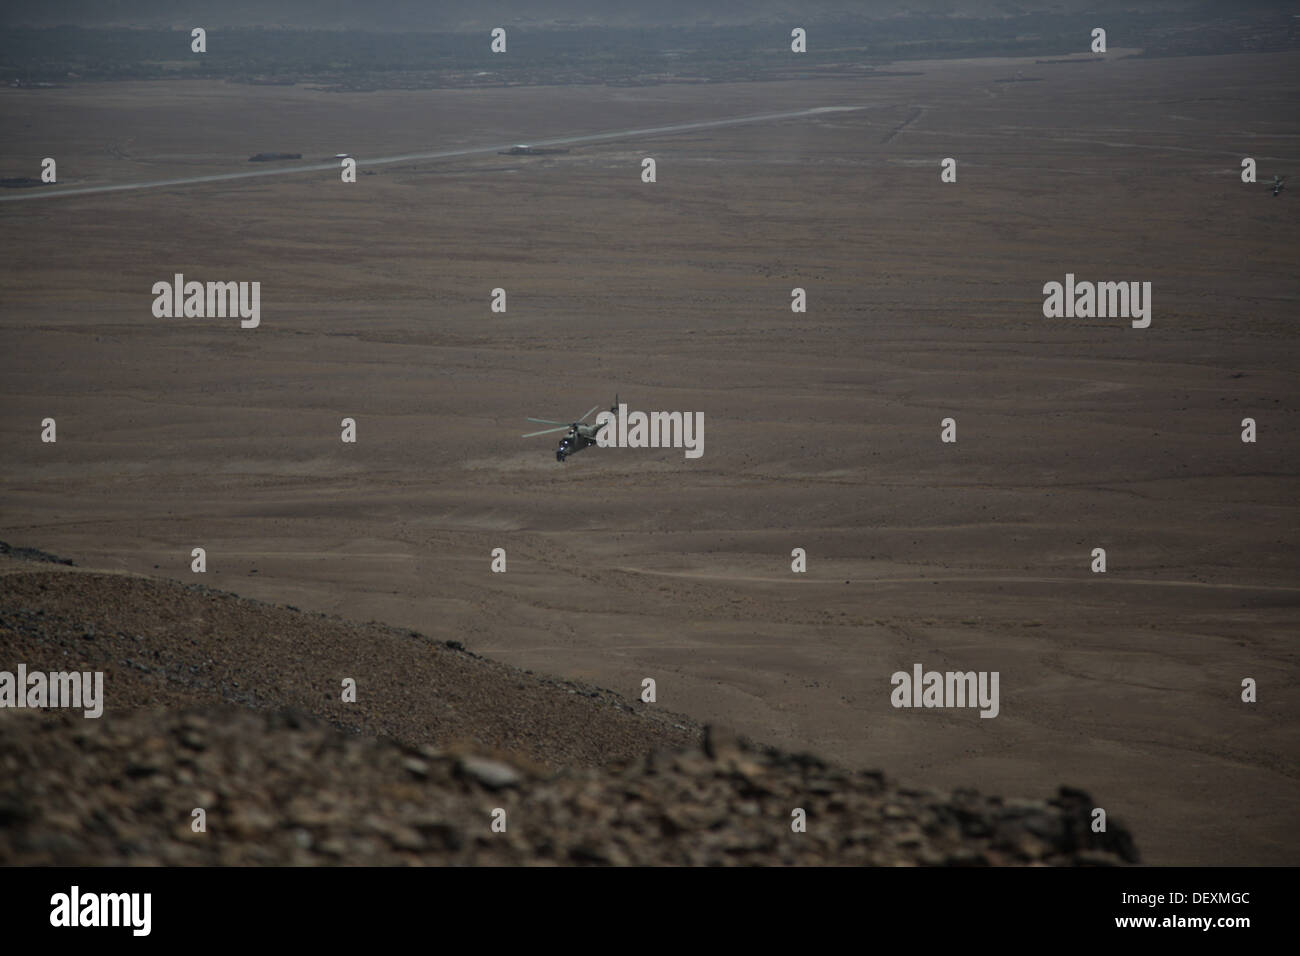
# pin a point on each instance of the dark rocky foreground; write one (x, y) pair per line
(217, 702)
(282, 789)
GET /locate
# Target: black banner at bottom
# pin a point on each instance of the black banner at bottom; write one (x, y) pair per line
(330, 906)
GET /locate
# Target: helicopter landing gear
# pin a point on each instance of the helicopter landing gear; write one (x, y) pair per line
(559, 456)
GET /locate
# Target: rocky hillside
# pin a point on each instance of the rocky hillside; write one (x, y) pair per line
(229, 706)
(169, 645)
(280, 789)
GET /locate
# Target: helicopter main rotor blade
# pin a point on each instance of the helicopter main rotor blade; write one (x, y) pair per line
(589, 411)
(547, 421)
(547, 431)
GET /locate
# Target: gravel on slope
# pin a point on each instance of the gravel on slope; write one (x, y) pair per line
(284, 789)
(167, 645)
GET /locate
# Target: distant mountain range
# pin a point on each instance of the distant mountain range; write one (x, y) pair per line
(467, 15)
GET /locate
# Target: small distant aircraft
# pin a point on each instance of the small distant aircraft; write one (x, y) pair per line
(523, 149)
(1279, 184)
(579, 435)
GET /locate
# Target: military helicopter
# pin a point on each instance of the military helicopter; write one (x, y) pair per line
(1278, 184)
(579, 435)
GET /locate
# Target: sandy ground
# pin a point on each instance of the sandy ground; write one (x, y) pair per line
(822, 429)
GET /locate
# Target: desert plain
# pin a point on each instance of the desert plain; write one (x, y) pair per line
(823, 428)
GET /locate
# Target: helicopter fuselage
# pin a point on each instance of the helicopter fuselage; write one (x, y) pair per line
(576, 439)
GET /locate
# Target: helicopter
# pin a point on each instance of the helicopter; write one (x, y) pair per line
(1278, 184)
(578, 435)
